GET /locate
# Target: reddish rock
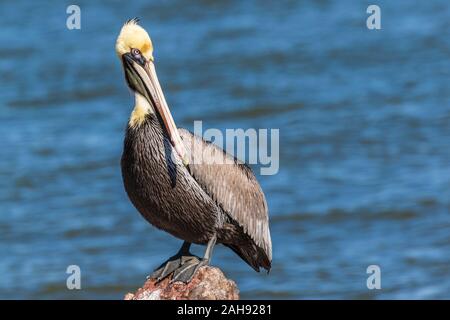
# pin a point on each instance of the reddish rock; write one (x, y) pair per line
(209, 283)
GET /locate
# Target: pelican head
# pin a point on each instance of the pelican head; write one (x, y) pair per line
(135, 49)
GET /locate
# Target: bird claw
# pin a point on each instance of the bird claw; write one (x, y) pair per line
(171, 265)
(186, 272)
(165, 270)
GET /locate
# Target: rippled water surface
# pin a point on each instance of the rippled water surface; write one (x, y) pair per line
(364, 119)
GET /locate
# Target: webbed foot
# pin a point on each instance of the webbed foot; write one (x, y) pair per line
(186, 272)
(173, 263)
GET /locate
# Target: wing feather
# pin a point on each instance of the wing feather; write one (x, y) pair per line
(233, 186)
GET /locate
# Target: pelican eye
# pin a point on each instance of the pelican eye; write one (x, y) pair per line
(136, 52)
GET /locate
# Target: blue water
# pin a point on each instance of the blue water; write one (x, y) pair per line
(364, 119)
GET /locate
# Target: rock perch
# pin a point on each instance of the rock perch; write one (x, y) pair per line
(209, 283)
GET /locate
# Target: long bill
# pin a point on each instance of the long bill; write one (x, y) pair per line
(155, 96)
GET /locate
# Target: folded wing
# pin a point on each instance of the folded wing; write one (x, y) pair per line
(232, 185)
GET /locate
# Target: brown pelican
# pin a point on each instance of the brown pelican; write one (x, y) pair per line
(198, 203)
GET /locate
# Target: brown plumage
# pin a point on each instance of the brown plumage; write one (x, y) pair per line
(232, 185)
(180, 183)
(194, 202)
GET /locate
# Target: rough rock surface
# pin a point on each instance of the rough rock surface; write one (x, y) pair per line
(209, 283)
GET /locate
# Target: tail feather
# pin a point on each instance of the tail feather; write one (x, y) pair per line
(253, 255)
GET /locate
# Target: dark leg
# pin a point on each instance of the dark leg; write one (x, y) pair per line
(177, 261)
(186, 272)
